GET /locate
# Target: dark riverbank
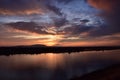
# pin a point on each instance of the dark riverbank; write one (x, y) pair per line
(109, 73)
(45, 49)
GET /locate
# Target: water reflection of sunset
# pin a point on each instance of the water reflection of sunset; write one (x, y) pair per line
(53, 61)
(50, 61)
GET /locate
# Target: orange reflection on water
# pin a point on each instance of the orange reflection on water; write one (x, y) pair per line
(54, 61)
(50, 61)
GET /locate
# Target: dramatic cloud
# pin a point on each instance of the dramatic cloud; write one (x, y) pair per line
(54, 9)
(10, 7)
(73, 30)
(28, 26)
(110, 12)
(107, 5)
(58, 22)
(19, 36)
(55, 22)
(28, 7)
(84, 21)
(65, 1)
(77, 30)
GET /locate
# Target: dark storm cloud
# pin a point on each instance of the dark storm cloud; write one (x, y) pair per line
(84, 21)
(65, 1)
(103, 30)
(12, 7)
(76, 30)
(59, 22)
(18, 6)
(54, 9)
(32, 27)
(111, 11)
(28, 26)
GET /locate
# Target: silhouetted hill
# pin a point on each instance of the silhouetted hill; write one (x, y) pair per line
(38, 45)
(110, 73)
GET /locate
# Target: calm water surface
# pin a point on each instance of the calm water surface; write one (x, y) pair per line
(55, 66)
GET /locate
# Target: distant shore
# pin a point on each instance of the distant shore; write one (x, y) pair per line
(44, 49)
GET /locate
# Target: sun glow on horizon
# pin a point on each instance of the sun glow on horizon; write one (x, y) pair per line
(48, 40)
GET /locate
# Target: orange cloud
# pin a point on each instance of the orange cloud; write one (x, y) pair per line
(91, 43)
(19, 37)
(106, 5)
(24, 12)
(111, 14)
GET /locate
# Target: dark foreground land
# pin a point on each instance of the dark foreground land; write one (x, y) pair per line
(45, 49)
(110, 73)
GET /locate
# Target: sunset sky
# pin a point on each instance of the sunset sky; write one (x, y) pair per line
(60, 22)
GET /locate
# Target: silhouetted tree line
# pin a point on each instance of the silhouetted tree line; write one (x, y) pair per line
(37, 50)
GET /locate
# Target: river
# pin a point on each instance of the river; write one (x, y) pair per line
(53, 66)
